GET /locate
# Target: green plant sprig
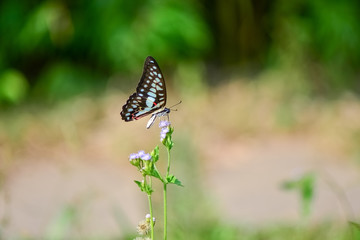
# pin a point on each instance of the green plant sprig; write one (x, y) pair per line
(146, 165)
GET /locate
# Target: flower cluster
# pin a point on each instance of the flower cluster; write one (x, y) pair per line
(141, 160)
(164, 125)
(140, 155)
(144, 226)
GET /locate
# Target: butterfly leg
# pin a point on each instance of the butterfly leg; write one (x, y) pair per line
(151, 121)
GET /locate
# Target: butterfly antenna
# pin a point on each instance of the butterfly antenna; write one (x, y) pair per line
(175, 105)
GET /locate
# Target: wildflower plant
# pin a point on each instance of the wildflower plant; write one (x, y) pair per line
(146, 165)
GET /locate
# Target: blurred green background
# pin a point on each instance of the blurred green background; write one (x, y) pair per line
(268, 87)
(51, 50)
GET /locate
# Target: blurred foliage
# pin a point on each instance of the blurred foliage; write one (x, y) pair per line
(63, 48)
(62, 223)
(13, 86)
(356, 230)
(320, 39)
(305, 185)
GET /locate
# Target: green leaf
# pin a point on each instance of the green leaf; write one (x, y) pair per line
(155, 154)
(140, 185)
(148, 190)
(168, 143)
(155, 174)
(144, 187)
(173, 180)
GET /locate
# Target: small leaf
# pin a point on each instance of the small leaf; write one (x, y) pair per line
(155, 154)
(155, 174)
(140, 185)
(172, 179)
(171, 144)
(148, 190)
(168, 143)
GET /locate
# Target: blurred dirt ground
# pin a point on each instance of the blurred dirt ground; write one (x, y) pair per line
(247, 141)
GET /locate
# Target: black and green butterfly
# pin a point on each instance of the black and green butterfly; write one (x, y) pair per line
(150, 95)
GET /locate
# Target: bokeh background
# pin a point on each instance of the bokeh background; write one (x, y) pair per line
(266, 139)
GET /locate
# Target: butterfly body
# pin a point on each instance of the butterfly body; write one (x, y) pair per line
(150, 95)
(162, 113)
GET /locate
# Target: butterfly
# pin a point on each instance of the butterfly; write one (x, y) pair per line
(150, 95)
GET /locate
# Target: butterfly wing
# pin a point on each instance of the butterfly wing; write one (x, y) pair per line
(150, 93)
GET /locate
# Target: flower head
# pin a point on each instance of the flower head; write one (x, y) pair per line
(143, 227)
(146, 157)
(162, 136)
(165, 130)
(133, 156)
(163, 133)
(163, 124)
(134, 159)
(141, 153)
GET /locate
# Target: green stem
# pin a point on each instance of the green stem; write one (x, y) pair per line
(165, 195)
(150, 209)
(161, 178)
(168, 168)
(165, 212)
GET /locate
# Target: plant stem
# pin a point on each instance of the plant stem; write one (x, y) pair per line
(165, 195)
(165, 212)
(161, 178)
(150, 209)
(151, 218)
(168, 167)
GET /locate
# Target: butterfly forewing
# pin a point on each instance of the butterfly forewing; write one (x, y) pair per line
(150, 93)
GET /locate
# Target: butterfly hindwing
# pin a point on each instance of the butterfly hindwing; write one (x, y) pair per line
(150, 93)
